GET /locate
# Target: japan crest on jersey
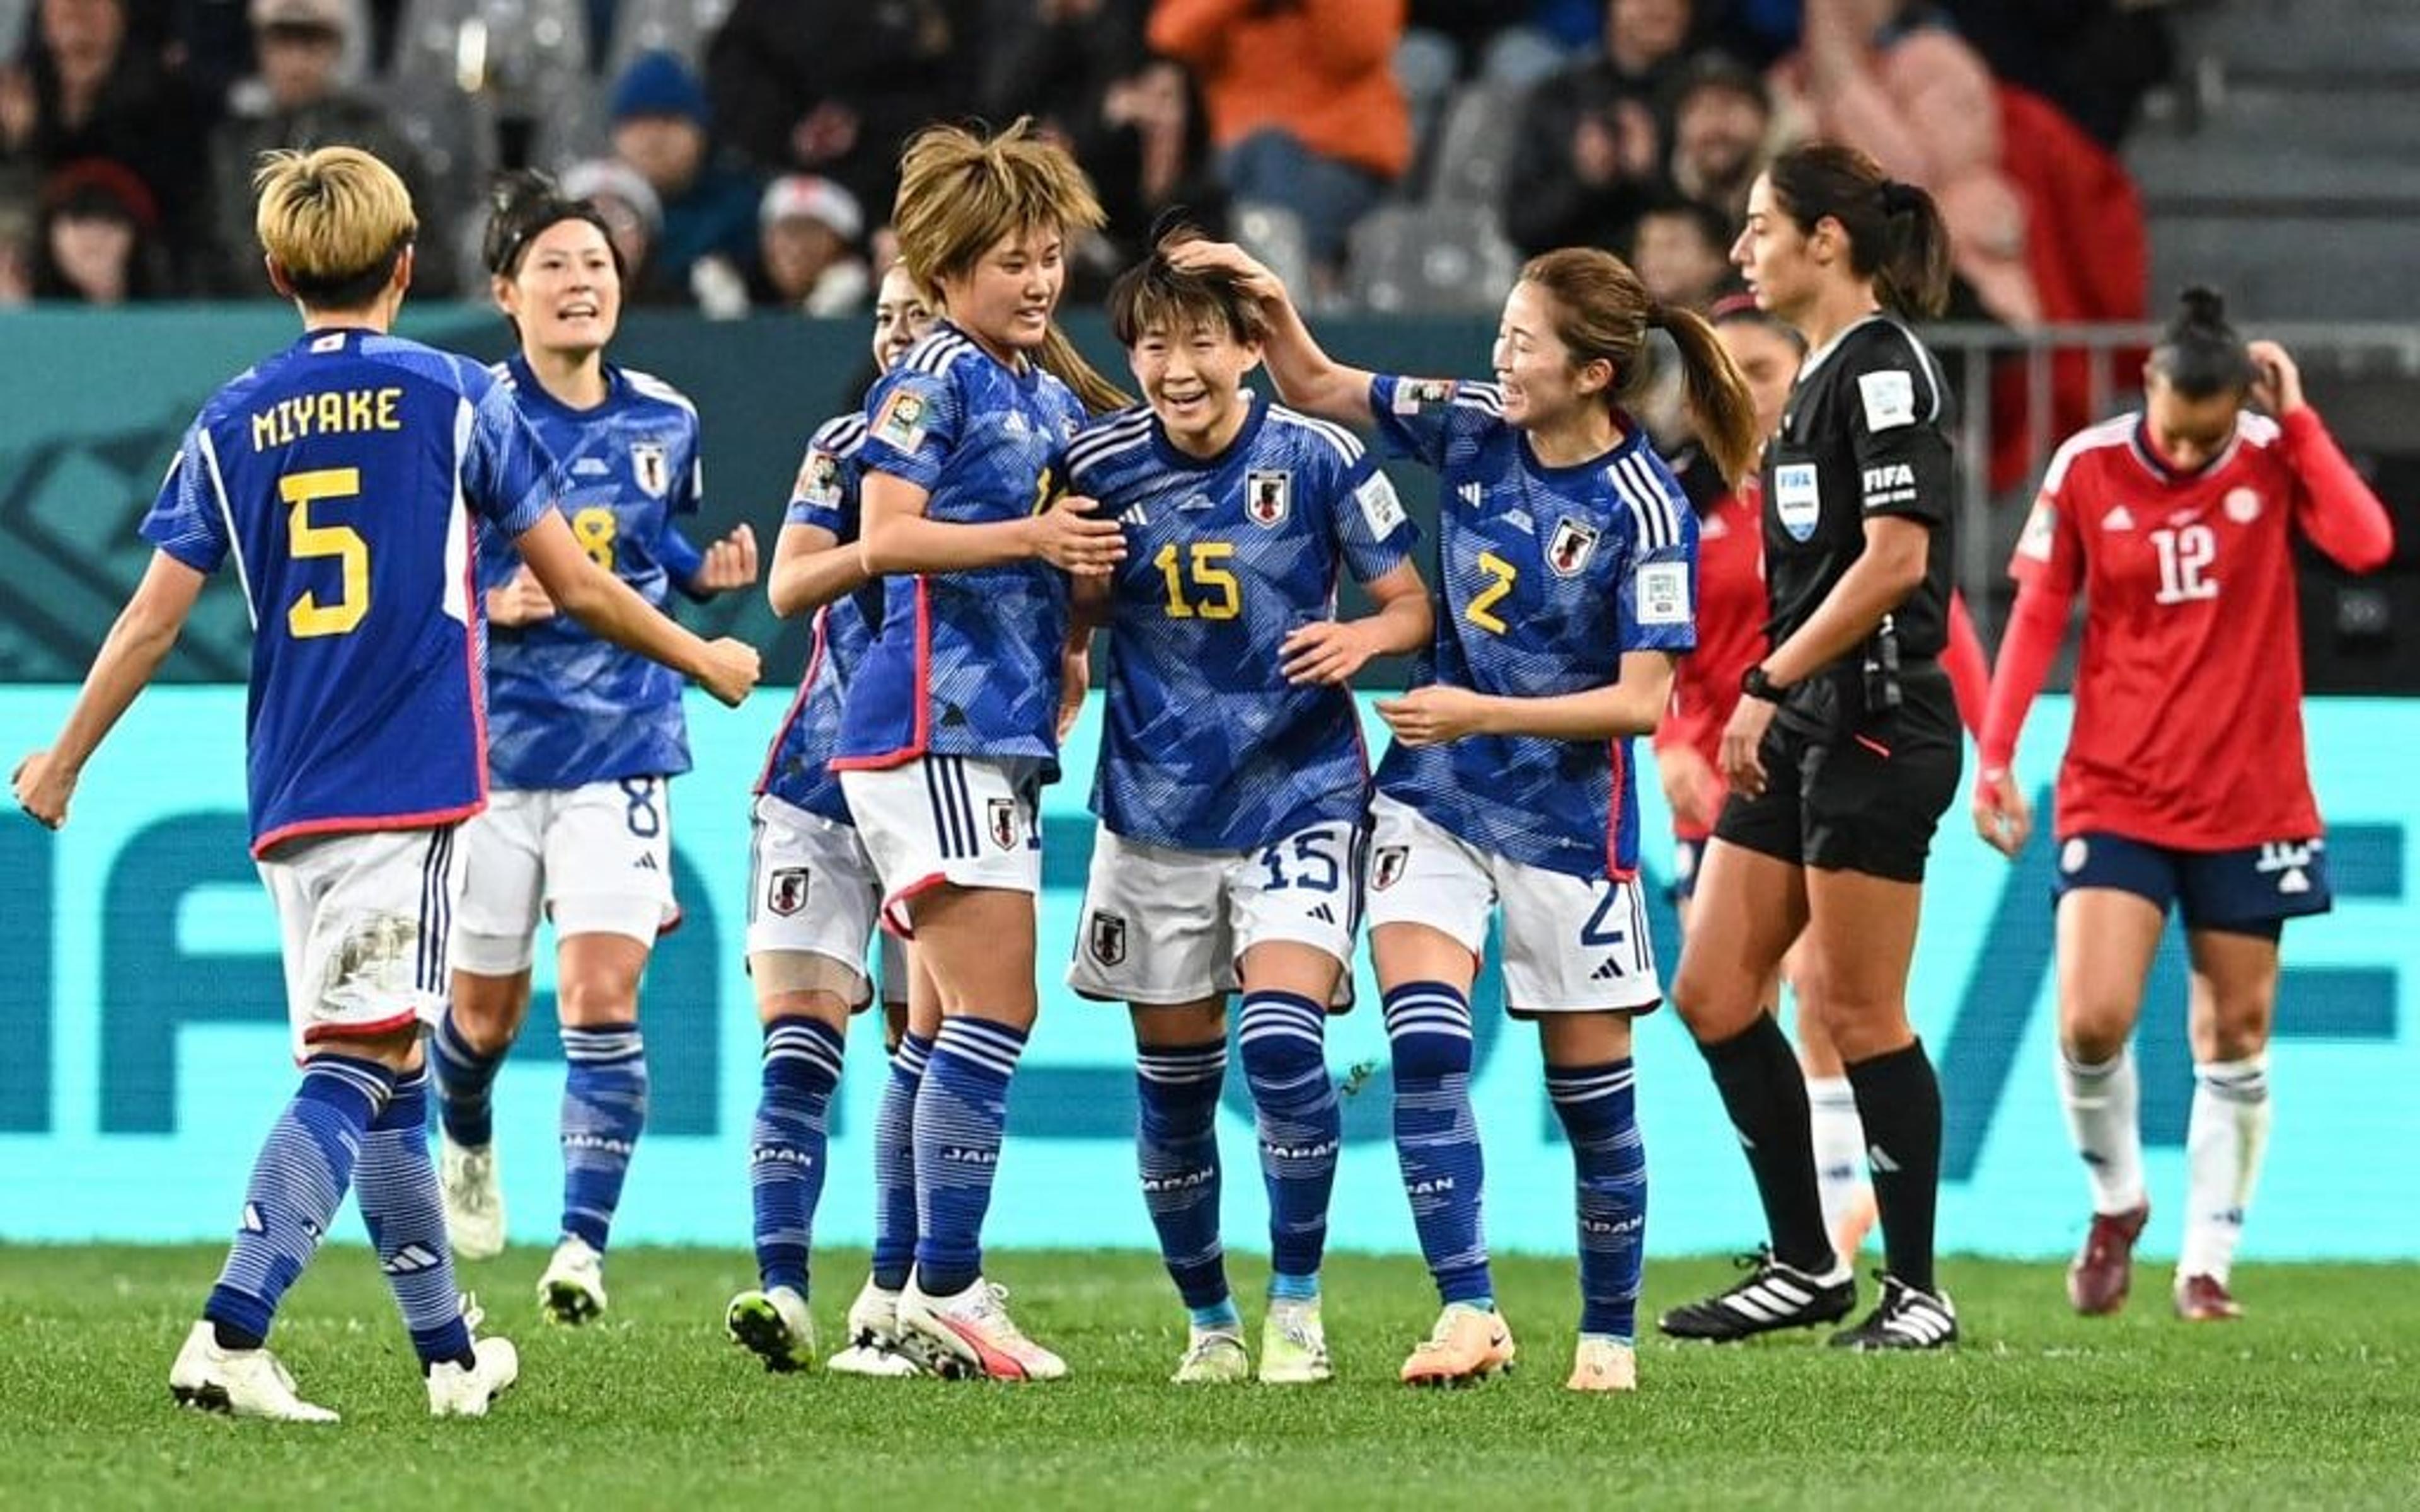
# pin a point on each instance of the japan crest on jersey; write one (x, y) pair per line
(1268, 496)
(1573, 543)
(651, 466)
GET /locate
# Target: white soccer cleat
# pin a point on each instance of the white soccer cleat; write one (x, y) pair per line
(774, 1325)
(971, 1334)
(1604, 1365)
(475, 1198)
(455, 1392)
(239, 1383)
(572, 1289)
(1294, 1345)
(1212, 1357)
(874, 1338)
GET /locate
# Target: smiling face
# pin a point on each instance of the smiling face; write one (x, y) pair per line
(1004, 300)
(565, 296)
(901, 318)
(1191, 371)
(1542, 386)
(1782, 262)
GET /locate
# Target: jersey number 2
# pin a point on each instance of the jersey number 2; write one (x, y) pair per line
(307, 616)
(1481, 610)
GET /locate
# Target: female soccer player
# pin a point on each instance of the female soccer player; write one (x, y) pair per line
(367, 645)
(1567, 570)
(2177, 526)
(1233, 779)
(582, 741)
(811, 908)
(951, 725)
(1842, 752)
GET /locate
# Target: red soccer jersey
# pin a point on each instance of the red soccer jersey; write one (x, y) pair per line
(1731, 612)
(2188, 729)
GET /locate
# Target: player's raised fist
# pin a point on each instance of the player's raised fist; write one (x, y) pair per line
(1070, 536)
(521, 600)
(43, 786)
(729, 563)
(732, 668)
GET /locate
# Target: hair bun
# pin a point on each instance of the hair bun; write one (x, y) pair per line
(2201, 306)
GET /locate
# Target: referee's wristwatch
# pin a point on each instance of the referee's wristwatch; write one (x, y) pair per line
(1756, 685)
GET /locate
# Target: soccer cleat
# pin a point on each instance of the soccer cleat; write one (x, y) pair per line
(2203, 1299)
(572, 1289)
(1212, 1357)
(455, 1392)
(1603, 1364)
(971, 1334)
(474, 1199)
(2103, 1269)
(1775, 1296)
(774, 1325)
(1294, 1346)
(1905, 1319)
(1467, 1344)
(874, 1338)
(239, 1383)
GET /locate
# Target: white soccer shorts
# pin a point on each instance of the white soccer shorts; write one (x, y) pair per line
(597, 859)
(967, 820)
(1572, 945)
(1163, 925)
(811, 889)
(363, 922)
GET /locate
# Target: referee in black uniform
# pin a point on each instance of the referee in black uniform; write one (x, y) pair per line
(1844, 750)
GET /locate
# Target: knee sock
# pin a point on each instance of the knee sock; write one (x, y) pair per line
(961, 1111)
(1284, 1041)
(2102, 1105)
(1176, 1152)
(2225, 1135)
(1838, 1141)
(1764, 1091)
(464, 1079)
(396, 1184)
(1900, 1102)
(604, 1109)
(1436, 1137)
(894, 1165)
(788, 1143)
(1598, 1105)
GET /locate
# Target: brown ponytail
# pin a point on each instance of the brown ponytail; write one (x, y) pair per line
(1717, 395)
(1894, 231)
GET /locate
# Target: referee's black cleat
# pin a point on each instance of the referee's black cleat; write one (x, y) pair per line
(1776, 1296)
(1905, 1319)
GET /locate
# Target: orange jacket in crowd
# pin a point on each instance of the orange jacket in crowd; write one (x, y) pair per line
(1323, 70)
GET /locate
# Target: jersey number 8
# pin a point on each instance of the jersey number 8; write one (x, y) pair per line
(307, 616)
(594, 528)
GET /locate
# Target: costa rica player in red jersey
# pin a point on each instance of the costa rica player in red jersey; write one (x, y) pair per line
(2176, 524)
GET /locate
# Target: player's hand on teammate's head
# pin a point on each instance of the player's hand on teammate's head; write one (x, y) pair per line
(729, 563)
(2003, 817)
(1070, 536)
(2278, 390)
(732, 668)
(1258, 280)
(524, 600)
(43, 785)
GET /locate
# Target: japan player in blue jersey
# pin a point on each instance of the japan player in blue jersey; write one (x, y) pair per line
(951, 724)
(812, 894)
(345, 479)
(1567, 581)
(582, 740)
(1232, 784)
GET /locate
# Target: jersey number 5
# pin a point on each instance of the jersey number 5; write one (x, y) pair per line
(1215, 595)
(1481, 610)
(307, 616)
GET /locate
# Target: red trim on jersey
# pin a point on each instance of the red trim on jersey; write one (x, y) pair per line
(364, 824)
(798, 702)
(924, 699)
(474, 610)
(1613, 867)
(894, 913)
(317, 1032)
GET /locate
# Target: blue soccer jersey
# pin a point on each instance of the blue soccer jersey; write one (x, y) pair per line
(797, 769)
(968, 663)
(564, 706)
(1208, 746)
(1546, 577)
(341, 476)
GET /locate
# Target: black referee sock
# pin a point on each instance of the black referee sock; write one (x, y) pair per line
(1765, 1095)
(1899, 1101)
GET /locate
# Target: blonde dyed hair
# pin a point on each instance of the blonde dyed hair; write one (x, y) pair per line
(960, 193)
(334, 219)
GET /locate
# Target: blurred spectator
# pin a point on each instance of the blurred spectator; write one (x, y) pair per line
(706, 242)
(1594, 136)
(836, 88)
(1447, 40)
(1681, 251)
(1721, 120)
(295, 103)
(20, 226)
(81, 90)
(100, 240)
(1053, 59)
(1146, 147)
(2094, 59)
(1303, 103)
(808, 229)
(634, 218)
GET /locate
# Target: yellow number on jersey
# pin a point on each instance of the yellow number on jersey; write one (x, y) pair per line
(1478, 611)
(594, 528)
(1045, 491)
(1207, 575)
(307, 616)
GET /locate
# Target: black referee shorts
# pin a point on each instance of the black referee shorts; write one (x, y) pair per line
(1866, 800)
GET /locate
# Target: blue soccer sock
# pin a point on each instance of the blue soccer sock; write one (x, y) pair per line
(894, 1165)
(1301, 1125)
(604, 1109)
(396, 1184)
(787, 1146)
(464, 1080)
(961, 1110)
(1598, 1105)
(1436, 1137)
(1177, 1153)
(298, 1183)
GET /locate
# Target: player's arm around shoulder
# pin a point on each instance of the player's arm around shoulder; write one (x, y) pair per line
(611, 608)
(141, 638)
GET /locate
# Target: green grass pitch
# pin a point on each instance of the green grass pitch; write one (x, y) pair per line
(2313, 1401)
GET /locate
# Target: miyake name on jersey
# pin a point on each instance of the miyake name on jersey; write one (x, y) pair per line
(334, 413)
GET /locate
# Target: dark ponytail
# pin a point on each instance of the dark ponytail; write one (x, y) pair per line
(2201, 355)
(521, 205)
(1894, 231)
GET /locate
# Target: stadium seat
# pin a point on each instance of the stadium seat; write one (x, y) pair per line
(1429, 259)
(1273, 234)
(1475, 145)
(681, 26)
